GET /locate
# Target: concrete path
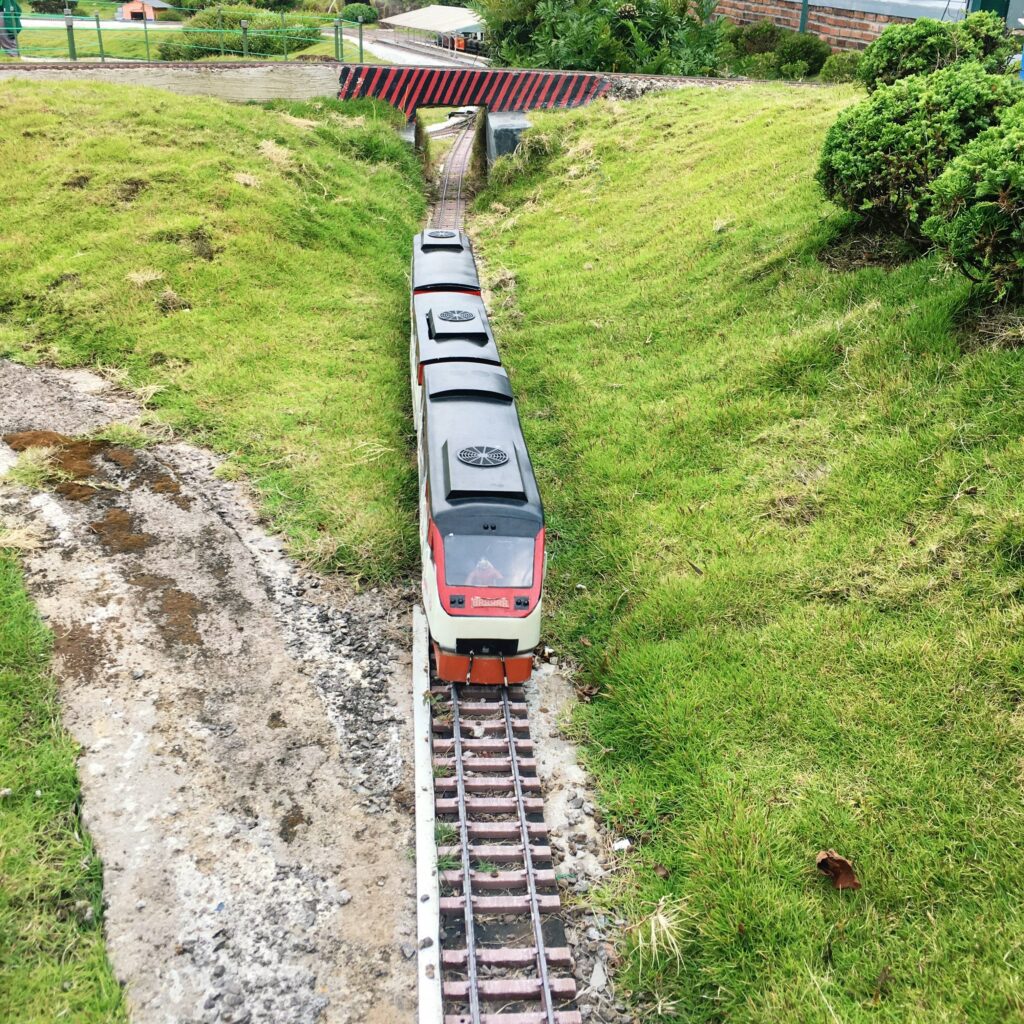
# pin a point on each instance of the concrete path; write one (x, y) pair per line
(243, 729)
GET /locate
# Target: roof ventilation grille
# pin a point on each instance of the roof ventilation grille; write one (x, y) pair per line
(440, 234)
(483, 455)
(456, 316)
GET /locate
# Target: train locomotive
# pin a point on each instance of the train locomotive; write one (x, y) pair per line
(481, 517)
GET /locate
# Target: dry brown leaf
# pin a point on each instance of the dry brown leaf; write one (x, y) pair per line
(838, 868)
(586, 641)
(661, 871)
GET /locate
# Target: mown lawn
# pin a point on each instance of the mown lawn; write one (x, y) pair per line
(53, 965)
(786, 510)
(124, 44)
(249, 265)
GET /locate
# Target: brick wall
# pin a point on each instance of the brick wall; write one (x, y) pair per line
(843, 29)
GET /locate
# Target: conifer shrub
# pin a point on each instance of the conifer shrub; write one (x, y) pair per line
(881, 156)
(977, 206)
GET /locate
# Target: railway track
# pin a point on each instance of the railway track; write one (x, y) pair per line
(450, 208)
(493, 948)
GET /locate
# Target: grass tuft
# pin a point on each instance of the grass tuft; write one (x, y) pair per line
(36, 469)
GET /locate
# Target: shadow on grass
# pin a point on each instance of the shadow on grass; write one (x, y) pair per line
(853, 244)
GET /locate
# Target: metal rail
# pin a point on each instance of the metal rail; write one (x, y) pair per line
(467, 870)
(531, 881)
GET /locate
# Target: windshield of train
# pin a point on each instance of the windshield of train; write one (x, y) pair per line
(488, 561)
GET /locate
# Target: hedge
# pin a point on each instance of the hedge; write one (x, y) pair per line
(978, 209)
(200, 36)
(881, 155)
(928, 45)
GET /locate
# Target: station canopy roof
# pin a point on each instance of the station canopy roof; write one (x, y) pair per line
(437, 18)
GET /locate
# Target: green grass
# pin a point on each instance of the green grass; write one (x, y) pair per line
(125, 44)
(286, 233)
(52, 43)
(786, 511)
(53, 965)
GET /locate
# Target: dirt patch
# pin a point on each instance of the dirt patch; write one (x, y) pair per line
(242, 726)
(175, 611)
(129, 189)
(73, 457)
(78, 649)
(123, 457)
(76, 492)
(292, 821)
(863, 247)
(116, 531)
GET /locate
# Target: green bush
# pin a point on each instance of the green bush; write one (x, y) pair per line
(881, 155)
(797, 70)
(841, 67)
(986, 34)
(978, 209)
(353, 12)
(757, 65)
(805, 47)
(760, 37)
(52, 6)
(917, 48)
(201, 36)
(927, 45)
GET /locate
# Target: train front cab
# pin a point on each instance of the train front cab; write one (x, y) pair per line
(482, 533)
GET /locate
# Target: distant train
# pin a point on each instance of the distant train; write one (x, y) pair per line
(481, 518)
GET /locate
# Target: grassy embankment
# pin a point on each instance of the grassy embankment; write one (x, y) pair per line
(787, 525)
(286, 235)
(250, 266)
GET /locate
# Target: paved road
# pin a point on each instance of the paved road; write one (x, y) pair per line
(396, 55)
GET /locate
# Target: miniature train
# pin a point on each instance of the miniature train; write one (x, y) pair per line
(481, 518)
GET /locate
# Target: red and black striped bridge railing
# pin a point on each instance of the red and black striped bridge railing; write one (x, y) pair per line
(498, 89)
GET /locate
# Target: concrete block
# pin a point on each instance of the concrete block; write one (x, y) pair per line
(503, 133)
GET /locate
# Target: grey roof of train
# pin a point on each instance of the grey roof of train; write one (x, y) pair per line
(450, 326)
(468, 408)
(443, 259)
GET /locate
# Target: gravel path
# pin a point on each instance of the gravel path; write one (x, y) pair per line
(243, 728)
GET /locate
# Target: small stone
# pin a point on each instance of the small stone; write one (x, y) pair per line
(138, 674)
(598, 977)
(344, 898)
(408, 950)
(426, 943)
(5, 792)
(218, 971)
(621, 845)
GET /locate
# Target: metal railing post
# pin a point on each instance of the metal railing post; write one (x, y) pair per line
(99, 36)
(284, 32)
(360, 40)
(337, 39)
(69, 24)
(244, 26)
(803, 15)
(145, 36)
(220, 28)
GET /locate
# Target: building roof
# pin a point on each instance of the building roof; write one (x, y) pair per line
(437, 18)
